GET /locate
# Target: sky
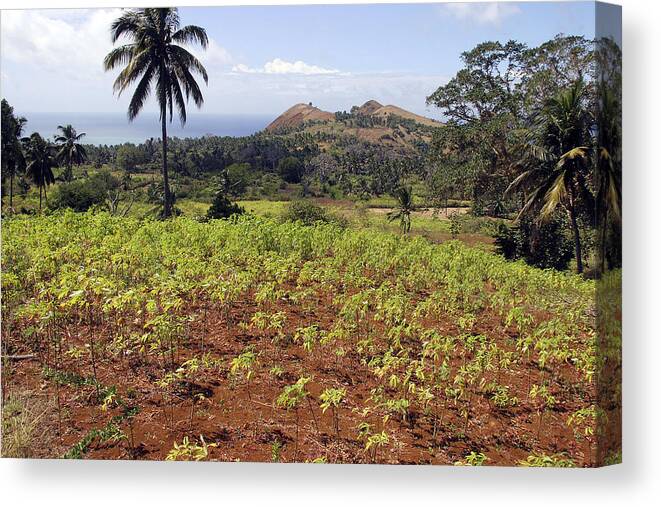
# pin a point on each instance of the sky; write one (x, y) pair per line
(264, 59)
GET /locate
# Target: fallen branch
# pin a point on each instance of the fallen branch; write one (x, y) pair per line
(20, 357)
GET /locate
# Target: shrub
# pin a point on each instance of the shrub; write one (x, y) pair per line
(222, 207)
(269, 184)
(455, 225)
(307, 212)
(81, 195)
(541, 245)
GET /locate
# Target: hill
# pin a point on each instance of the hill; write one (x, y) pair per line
(373, 108)
(297, 115)
(372, 122)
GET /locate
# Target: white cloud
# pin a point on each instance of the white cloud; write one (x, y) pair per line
(52, 61)
(72, 42)
(279, 66)
(492, 13)
(214, 56)
(69, 42)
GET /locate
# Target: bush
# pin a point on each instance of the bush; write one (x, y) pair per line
(81, 195)
(269, 184)
(540, 245)
(306, 212)
(310, 213)
(455, 225)
(77, 195)
(222, 207)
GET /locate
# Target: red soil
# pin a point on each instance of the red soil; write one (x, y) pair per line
(243, 421)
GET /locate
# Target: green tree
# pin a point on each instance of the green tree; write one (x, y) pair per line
(129, 157)
(71, 151)
(556, 169)
(608, 167)
(13, 160)
(483, 104)
(553, 66)
(222, 207)
(405, 207)
(40, 155)
(237, 178)
(155, 56)
(489, 104)
(544, 245)
(290, 169)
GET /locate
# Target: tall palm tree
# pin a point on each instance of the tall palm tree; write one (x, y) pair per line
(40, 155)
(71, 151)
(558, 159)
(155, 56)
(405, 207)
(608, 177)
(13, 160)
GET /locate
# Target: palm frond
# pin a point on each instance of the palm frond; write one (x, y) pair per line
(191, 34)
(179, 100)
(141, 93)
(127, 24)
(186, 61)
(554, 196)
(133, 71)
(119, 56)
(523, 180)
(579, 152)
(540, 153)
(191, 87)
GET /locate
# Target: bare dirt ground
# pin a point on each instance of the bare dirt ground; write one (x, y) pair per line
(241, 419)
(441, 213)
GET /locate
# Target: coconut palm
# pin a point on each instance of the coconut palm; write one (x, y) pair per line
(155, 56)
(557, 163)
(402, 212)
(608, 177)
(40, 155)
(13, 160)
(71, 151)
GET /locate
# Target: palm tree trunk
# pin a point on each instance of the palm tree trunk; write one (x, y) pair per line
(167, 209)
(40, 188)
(11, 192)
(602, 246)
(577, 239)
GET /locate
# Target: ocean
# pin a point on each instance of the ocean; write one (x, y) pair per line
(114, 128)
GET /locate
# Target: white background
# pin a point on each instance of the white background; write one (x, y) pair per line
(635, 482)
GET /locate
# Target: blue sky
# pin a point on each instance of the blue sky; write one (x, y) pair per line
(264, 59)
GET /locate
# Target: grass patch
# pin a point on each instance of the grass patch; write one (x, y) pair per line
(264, 208)
(21, 415)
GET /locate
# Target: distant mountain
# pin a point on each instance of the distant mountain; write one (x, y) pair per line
(373, 108)
(296, 115)
(369, 107)
(372, 122)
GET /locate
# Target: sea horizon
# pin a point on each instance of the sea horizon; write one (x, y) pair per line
(112, 128)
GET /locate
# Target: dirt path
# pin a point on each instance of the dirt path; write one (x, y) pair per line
(441, 213)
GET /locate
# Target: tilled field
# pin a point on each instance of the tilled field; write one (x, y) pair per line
(257, 341)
